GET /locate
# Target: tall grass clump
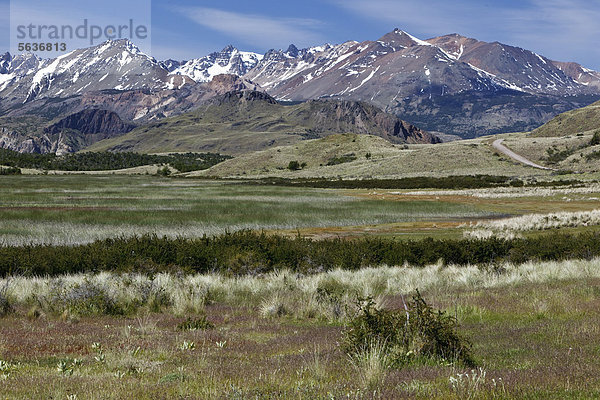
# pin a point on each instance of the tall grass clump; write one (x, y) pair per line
(417, 332)
(85, 298)
(5, 303)
(372, 363)
(508, 226)
(329, 296)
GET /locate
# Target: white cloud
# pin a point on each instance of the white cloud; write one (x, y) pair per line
(257, 30)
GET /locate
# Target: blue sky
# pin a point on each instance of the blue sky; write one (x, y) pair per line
(566, 30)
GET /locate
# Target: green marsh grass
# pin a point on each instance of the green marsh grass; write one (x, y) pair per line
(81, 209)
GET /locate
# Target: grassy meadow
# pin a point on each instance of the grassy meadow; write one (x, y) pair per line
(534, 331)
(532, 327)
(80, 209)
(76, 209)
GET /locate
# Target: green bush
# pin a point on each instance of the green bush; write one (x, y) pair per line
(10, 171)
(247, 252)
(195, 324)
(103, 161)
(164, 171)
(342, 159)
(555, 155)
(449, 182)
(408, 334)
(596, 138)
(293, 166)
(5, 304)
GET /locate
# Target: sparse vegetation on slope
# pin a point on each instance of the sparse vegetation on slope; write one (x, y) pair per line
(385, 160)
(572, 122)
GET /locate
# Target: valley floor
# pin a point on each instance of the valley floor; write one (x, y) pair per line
(534, 327)
(80, 209)
(534, 331)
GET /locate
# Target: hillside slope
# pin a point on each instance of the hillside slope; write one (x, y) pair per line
(350, 156)
(244, 121)
(572, 122)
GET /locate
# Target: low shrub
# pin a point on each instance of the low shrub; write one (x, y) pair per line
(195, 324)
(416, 332)
(5, 304)
(449, 182)
(85, 298)
(342, 159)
(10, 171)
(596, 138)
(103, 161)
(296, 165)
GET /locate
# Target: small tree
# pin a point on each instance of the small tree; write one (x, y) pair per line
(596, 138)
(164, 171)
(293, 166)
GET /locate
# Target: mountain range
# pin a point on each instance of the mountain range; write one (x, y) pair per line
(448, 85)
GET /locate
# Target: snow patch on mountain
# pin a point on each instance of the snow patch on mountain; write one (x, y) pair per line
(229, 61)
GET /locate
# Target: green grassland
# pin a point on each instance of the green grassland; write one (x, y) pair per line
(252, 333)
(77, 209)
(533, 327)
(375, 158)
(72, 209)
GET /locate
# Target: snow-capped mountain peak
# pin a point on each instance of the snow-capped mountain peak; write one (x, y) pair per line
(292, 51)
(5, 61)
(228, 61)
(114, 64)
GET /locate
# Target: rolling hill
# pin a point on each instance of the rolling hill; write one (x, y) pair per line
(572, 122)
(351, 156)
(244, 121)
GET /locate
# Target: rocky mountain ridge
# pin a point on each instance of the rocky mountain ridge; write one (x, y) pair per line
(449, 84)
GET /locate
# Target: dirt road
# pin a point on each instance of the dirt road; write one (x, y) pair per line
(505, 150)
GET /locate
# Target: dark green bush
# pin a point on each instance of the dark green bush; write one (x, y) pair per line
(596, 138)
(407, 334)
(164, 171)
(195, 324)
(342, 159)
(449, 182)
(293, 166)
(554, 155)
(246, 252)
(104, 161)
(5, 305)
(10, 171)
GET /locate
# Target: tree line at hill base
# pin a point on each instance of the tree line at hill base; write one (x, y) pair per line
(105, 161)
